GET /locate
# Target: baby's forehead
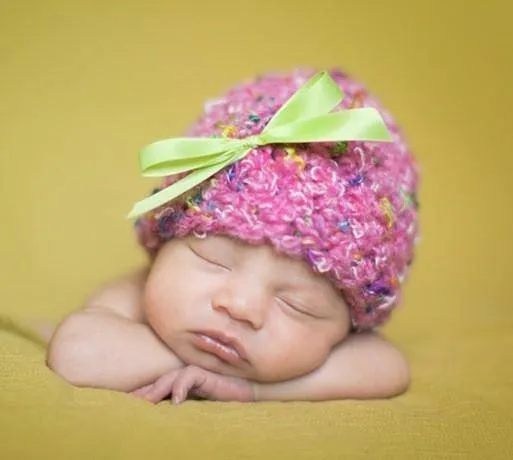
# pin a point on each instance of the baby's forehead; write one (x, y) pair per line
(230, 243)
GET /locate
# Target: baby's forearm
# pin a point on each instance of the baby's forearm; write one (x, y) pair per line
(364, 366)
(102, 350)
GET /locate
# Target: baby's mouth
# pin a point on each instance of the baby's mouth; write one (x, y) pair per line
(219, 345)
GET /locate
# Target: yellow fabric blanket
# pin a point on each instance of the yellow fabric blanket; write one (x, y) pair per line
(460, 406)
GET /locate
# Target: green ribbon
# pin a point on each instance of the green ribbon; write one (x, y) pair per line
(305, 117)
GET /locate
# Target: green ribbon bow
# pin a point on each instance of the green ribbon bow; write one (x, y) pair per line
(305, 117)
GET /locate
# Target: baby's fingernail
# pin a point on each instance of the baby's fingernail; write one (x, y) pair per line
(177, 399)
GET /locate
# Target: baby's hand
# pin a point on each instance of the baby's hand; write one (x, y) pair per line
(197, 382)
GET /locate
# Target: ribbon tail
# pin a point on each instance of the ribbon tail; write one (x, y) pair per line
(183, 185)
(178, 188)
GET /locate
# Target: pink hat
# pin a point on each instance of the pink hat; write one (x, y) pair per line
(349, 208)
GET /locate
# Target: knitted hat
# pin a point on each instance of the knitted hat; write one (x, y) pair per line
(348, 209)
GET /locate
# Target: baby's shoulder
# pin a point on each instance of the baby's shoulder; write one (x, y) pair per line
(122, 296)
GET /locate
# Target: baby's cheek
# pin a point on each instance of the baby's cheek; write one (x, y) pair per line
(157, 316)
(292, 362)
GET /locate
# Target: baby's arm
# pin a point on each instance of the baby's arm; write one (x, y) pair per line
(364, 366)
(107, 345)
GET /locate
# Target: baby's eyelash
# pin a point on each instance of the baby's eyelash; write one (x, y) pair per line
(207, 260)
(295, 308)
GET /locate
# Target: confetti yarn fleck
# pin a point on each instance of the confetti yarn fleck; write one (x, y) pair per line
(388, 211)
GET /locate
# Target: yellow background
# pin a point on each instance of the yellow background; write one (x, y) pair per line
(84, 85)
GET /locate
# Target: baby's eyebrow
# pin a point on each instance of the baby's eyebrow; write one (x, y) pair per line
(294, 275)
(312, 289)
(302, 285)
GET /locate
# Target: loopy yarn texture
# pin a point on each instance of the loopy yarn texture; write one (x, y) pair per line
(349, 209)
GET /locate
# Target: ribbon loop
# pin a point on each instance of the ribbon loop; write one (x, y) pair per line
(172, 156)
(306, 117)
(357, 124)
(317, 96)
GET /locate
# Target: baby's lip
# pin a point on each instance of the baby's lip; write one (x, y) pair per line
(225, 347)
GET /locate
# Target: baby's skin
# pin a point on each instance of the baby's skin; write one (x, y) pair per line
(221, 319)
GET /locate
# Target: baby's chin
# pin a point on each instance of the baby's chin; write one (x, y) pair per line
(272, 375)
(191, 356)
(257, 372)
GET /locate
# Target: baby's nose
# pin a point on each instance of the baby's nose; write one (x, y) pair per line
(242, 304)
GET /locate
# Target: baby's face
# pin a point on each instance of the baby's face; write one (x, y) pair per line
(242, 310)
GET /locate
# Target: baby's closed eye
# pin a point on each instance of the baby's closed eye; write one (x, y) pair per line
(298, 307)
(209, 258)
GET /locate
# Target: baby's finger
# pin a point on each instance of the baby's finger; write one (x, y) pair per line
(199, 392)
(141, 392)
(189, 378)
(161, 388)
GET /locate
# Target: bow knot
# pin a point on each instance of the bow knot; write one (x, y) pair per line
(249, 142)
